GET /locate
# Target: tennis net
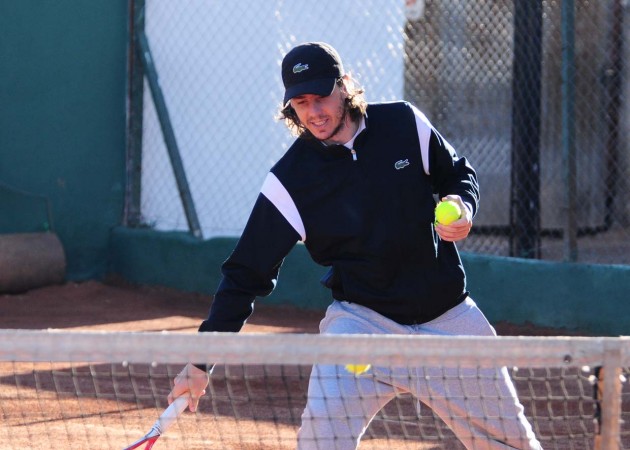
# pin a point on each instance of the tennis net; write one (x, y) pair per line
(104, 389)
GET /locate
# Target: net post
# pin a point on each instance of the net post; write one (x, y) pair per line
(609, 438)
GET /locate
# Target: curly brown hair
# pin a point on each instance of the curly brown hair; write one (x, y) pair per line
(355, 105)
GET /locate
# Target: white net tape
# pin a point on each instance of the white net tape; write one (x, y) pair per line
(105, 389)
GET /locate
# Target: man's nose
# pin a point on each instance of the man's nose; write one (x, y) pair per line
(315, 108)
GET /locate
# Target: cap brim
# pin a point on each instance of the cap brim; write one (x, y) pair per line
(323, 87)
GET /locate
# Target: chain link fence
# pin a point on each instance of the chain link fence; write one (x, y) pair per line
(545, 120)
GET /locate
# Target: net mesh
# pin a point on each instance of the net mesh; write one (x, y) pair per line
(105, 389)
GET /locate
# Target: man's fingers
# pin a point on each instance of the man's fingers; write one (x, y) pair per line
(177, 391)
(455, 231)
(192, 404)
(193, 401)
(191, 382)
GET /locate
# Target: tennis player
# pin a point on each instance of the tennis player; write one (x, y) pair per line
(358, 187)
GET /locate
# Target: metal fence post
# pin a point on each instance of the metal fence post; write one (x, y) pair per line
(569, 164)
(613, 106)
(135, 113)
(168, 134)
(526, 125)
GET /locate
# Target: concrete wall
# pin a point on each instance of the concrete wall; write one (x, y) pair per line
(588, 298)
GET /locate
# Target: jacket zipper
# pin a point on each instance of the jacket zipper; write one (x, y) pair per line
(354, 154)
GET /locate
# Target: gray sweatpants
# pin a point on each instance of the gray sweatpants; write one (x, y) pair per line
(479, 405)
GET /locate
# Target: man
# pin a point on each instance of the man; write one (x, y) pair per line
(358, 187)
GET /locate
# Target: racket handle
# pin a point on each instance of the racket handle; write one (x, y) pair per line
(170, 414)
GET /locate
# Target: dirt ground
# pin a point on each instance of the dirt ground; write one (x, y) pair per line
(40, 404)
(117, 306)
(94, 305)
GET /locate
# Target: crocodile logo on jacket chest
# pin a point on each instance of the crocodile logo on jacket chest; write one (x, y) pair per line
(401, 164)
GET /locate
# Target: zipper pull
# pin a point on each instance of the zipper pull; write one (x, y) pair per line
(354, 154)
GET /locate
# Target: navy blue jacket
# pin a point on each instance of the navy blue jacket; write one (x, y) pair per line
(368, 218)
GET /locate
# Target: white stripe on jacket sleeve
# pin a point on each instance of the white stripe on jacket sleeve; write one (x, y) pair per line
(424, 135)
(277, 194)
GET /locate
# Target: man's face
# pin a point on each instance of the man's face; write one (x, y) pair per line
(324, 117)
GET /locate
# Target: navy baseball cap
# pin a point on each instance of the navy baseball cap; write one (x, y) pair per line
(310, 68)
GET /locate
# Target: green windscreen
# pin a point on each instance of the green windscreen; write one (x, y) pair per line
(23, 212)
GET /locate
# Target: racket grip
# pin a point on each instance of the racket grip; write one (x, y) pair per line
(170, 414)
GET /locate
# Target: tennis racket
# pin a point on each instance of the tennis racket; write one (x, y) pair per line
(166, 419)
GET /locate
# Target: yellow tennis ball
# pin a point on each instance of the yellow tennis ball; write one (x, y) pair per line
(358, 369)
(447, 211)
